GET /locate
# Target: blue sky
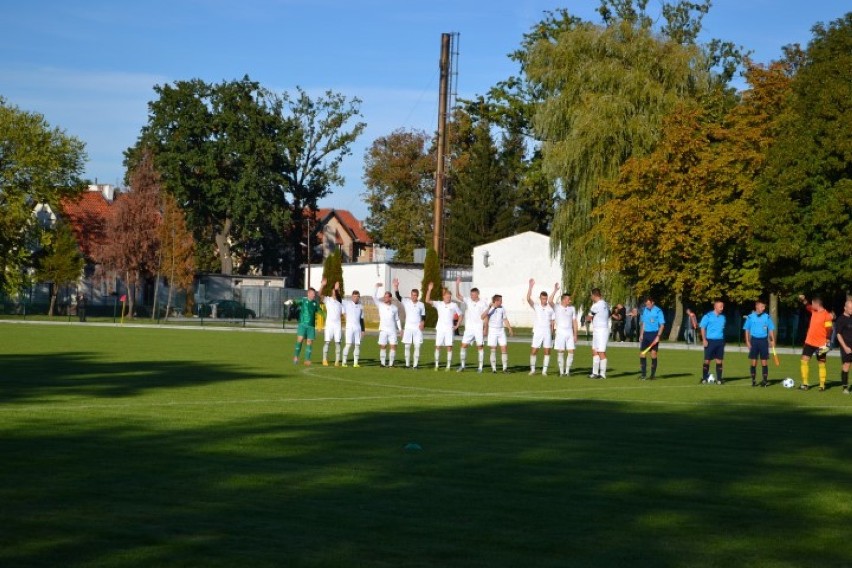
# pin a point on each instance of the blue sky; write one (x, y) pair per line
(89, 66)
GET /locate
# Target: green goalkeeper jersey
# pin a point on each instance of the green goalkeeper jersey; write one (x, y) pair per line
(308, 311)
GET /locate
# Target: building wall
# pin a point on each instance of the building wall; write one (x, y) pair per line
(511, 262)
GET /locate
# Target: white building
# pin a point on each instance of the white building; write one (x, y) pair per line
(505, 267)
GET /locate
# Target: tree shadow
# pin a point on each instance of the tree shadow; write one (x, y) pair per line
(579, 483)
(28, 377)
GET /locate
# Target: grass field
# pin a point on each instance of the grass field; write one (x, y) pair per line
(124, 446)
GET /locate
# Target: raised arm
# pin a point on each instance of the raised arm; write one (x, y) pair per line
(529, 293)
(322, 289)
(552, 300)
(396, 293)
(459, 296)
(376, 292)
(428, 297)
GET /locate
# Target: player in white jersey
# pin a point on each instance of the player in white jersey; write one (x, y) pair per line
(333, 324)
(566, 332)
(542, 328)
(389, 326)
(495, 316)
(415, 320)
(599, 318)
(446, 326)
(354, 313)
(474, 327)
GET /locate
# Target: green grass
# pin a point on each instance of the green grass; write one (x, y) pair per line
(169, 447)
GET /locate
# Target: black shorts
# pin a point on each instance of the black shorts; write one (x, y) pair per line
(845, 357)
(647, 339)
(759, 348)
(715, 349)
(809, 351)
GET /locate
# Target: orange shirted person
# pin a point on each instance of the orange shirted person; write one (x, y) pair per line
(816, 341)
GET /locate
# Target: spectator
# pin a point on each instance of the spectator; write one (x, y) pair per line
(619, 315)
(631, 325)
(81, 307)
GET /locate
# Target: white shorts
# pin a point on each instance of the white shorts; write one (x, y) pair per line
(353, 336)
(444, 337)
(475, 334)
(387, 337)
(496, 337)
(542, 338)
(600, 336)
(564, 340)
(333, 332)
(414, 336)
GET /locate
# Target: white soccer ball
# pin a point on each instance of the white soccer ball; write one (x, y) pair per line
(788, 383)
(711, 379)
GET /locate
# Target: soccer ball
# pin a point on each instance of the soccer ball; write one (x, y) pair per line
(788, 383)
(711, 379)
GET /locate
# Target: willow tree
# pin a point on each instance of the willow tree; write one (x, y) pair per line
(605, 90)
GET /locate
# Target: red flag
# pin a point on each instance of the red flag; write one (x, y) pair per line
(123, 298)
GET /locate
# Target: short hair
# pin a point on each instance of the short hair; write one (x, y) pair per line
(356, 293)
(649, 298)
(566, 295)
(312, 289)
(472, 290)
(496, 297)
(596, 291)
(415, 291)
(760, 301)
(816, 299)
(543, 294)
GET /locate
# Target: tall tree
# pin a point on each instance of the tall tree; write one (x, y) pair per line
(481, 207)
(218, 148)
(61, 263)
(38, 164)
(606, 90)
(176, 248)
(431, 275)
(131, 245)
(332, 273)
(323, 136)
(804, 205)
(399, 173)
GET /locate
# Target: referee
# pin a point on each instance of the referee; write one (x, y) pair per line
(652, 323)
(712, 328)
(759, 337)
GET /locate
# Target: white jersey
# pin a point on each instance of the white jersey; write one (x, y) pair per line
(414, 313)
(446, 313)
(565, 317)
(354, 313)
(333, 311)
(600, 315)
(473, 311)
(543, 316)
(496, 318)
(388, 314)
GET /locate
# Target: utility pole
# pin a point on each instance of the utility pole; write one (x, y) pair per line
(443, 100)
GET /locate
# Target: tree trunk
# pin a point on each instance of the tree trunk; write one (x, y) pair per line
(53, 294)
(225, 248)
(677, 321)
(773, 310)
(156, 295)
(131, 292)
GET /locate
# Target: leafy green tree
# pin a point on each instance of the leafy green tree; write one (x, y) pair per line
(38, 164)
(607, 89)
(431, 275)
(399, 175)
(481, 206)
(323, 136)
(803, 222)
(218, 149)
(332, 272)
(61, 263)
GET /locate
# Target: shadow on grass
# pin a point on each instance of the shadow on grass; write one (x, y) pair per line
(28, 377)
(534, 484)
